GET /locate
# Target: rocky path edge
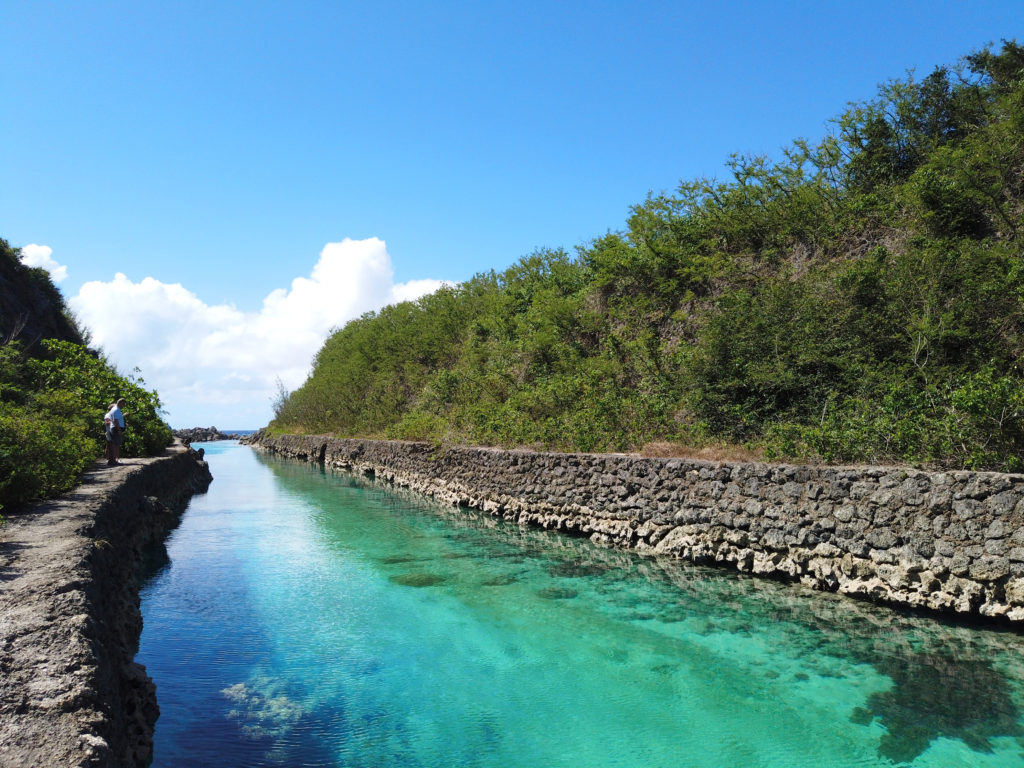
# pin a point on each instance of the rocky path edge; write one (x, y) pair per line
(71, 693)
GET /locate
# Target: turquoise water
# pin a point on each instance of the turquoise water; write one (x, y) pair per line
(306, 618)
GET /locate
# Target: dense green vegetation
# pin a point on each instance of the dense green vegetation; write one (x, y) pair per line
(52, 401)
(861, 299)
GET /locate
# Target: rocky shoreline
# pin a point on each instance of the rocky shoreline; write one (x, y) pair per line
(203, 435)
(945, 542)
(71, 693)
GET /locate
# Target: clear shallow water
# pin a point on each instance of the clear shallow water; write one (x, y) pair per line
(310, 619)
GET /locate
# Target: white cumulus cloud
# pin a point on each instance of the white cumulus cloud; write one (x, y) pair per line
(217, 365)
(33, 255)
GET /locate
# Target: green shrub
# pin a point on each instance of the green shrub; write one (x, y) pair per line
(40, 454)
(860, 300)
(96, 384)
(51, 418)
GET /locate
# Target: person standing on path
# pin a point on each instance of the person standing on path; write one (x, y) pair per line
(114, 421)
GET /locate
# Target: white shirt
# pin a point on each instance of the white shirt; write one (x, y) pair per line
(115, 416)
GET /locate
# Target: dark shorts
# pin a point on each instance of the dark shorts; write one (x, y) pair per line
(115, 435)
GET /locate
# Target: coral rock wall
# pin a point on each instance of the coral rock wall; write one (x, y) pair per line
(944, 541)
(71, 693)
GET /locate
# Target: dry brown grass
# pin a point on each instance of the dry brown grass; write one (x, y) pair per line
(723, 452)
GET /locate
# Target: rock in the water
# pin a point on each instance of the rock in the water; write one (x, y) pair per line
(202, 435)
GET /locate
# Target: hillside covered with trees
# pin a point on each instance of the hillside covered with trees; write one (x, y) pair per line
(54, 391)
(860, 299)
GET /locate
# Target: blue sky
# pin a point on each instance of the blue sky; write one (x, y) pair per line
(215, 149)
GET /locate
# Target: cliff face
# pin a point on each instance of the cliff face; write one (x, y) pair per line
(70, 691)
(944, 541)
(31, 307)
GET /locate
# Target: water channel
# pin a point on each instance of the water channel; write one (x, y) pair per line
(308, 618)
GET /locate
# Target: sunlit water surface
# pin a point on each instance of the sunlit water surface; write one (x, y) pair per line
(306, 618)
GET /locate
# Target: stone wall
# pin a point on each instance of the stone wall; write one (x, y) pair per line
(944, 541)
(71, 693)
